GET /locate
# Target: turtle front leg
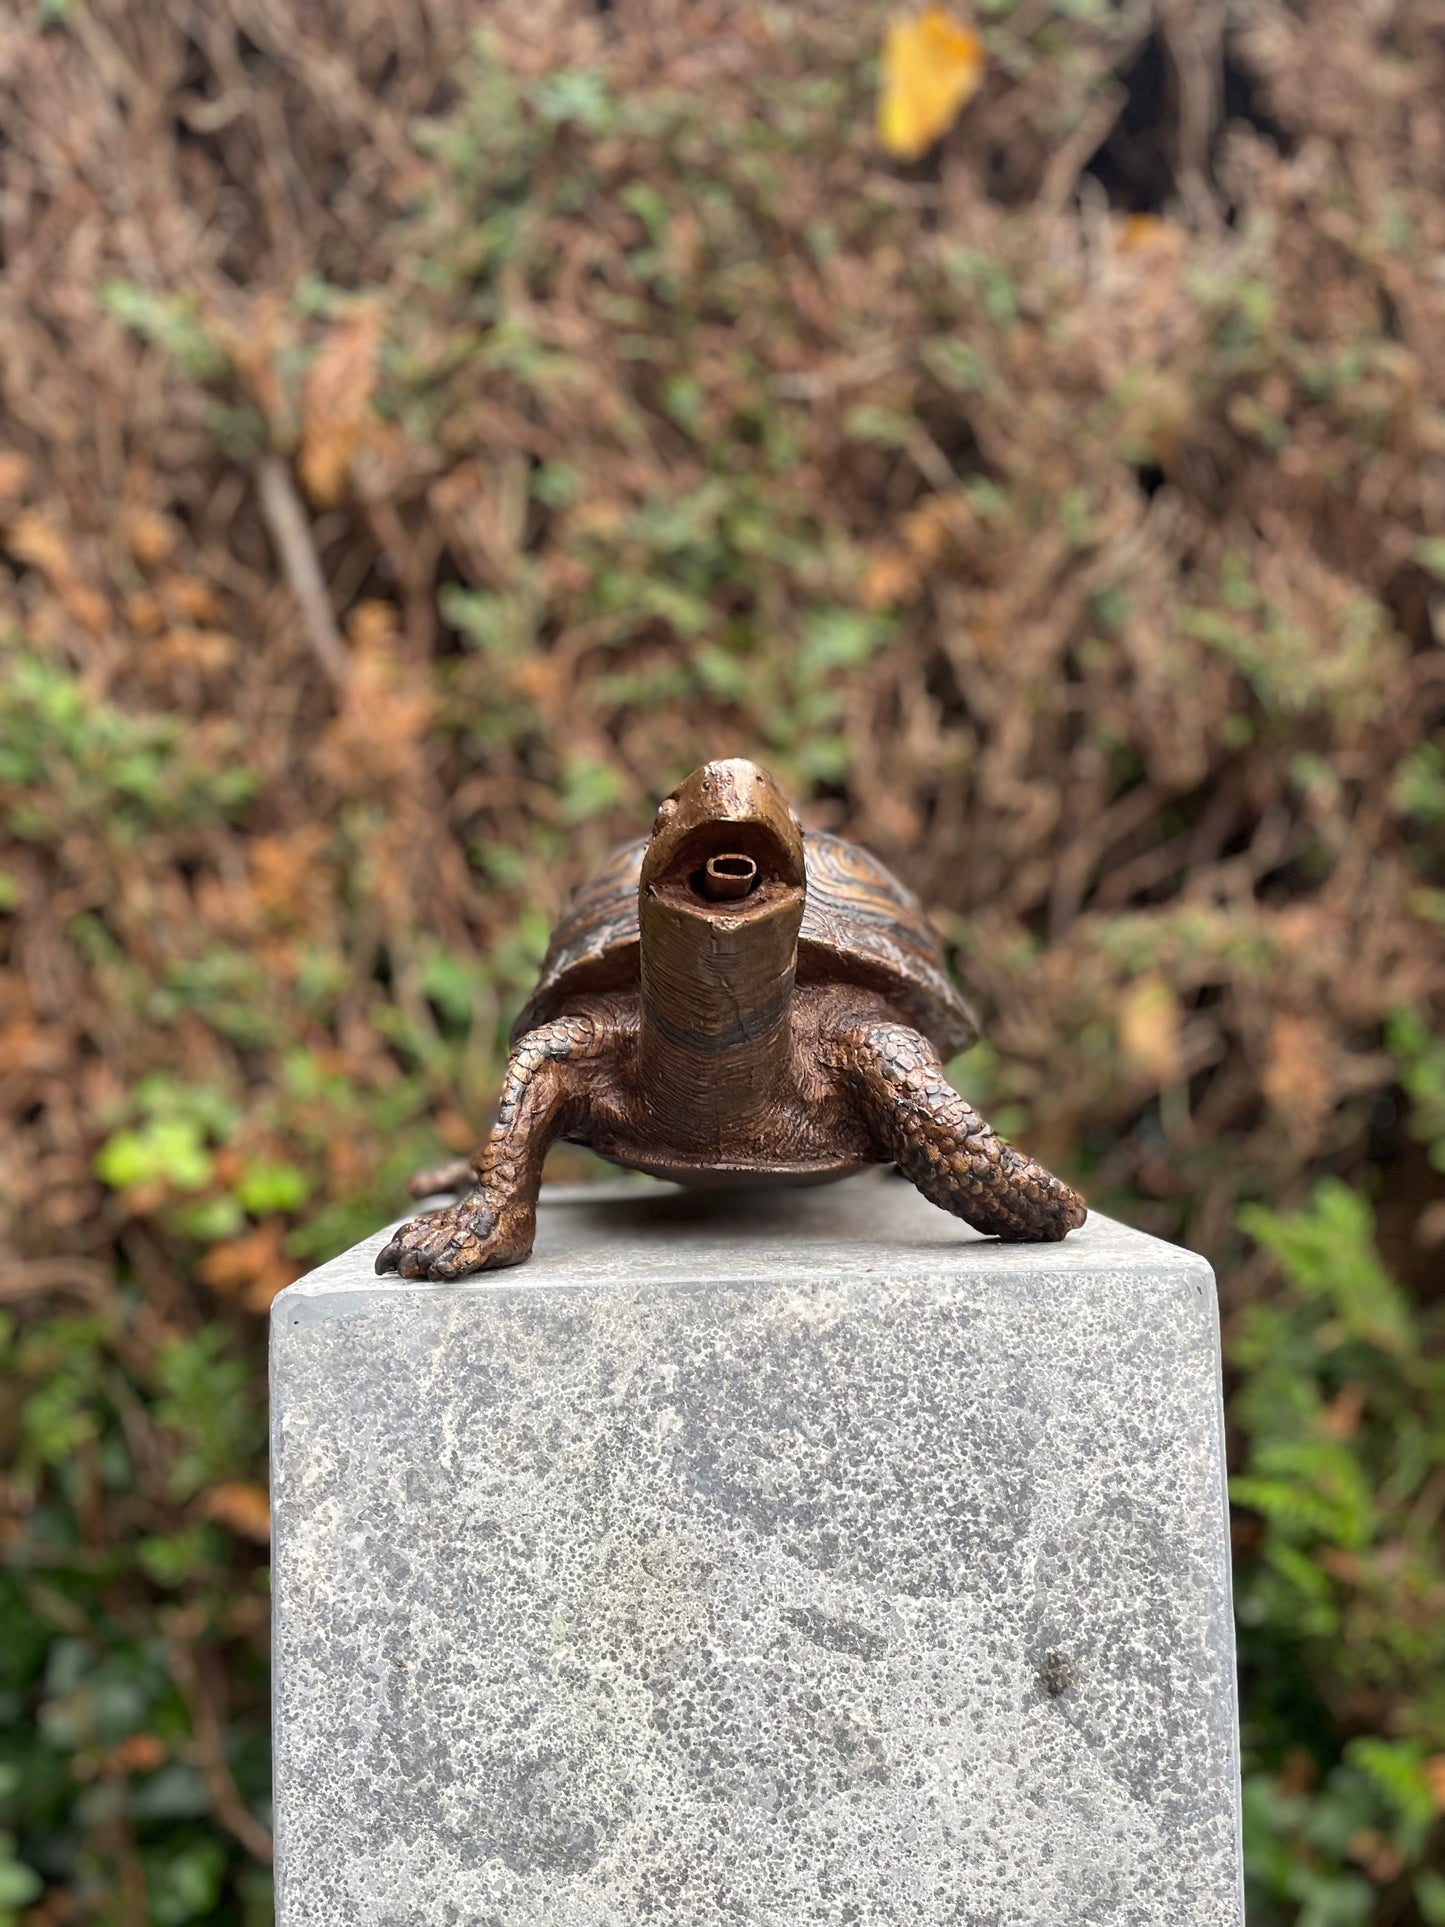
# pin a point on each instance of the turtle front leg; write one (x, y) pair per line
(543, 1096)
(941, 1144)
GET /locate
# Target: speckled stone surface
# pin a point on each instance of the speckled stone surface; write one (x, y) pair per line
(785, 1559)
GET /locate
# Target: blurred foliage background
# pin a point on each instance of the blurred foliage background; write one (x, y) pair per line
(421, 445)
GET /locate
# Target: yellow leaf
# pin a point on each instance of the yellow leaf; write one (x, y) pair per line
(889, 578)
(1298, 1075)
(152, 536)
(336, 407)
(192, 597)
(1149, 1030)
(31, 538)
(253, 1267)
(243, 1508)
(1142, 231)
(14, 474)
(932, 67)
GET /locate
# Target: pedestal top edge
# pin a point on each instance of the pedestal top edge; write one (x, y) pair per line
(647, 1233)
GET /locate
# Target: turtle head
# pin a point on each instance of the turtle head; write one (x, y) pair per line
(720, 905)
(726, 845)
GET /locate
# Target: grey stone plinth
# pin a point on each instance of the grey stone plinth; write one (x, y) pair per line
(791, 1558)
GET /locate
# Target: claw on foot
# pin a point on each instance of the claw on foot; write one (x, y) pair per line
(465, 1237)
(1050, 1208)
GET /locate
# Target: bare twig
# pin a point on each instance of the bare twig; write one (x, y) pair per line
(1068, 163)
(291, 533)
(1194, 33)
(821, 383)
(84, 1278)
(209, 1740)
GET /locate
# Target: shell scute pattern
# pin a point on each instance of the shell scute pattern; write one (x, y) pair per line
(860, 925)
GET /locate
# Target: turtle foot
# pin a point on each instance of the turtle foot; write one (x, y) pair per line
(471, 1235)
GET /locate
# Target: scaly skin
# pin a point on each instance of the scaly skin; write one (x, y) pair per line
(941, 1144)
(496, 1223)
(858, 1084)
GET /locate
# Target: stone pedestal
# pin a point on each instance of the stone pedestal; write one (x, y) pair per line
(764, 1560)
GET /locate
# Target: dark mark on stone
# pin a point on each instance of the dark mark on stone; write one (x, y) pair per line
(1057, 1674)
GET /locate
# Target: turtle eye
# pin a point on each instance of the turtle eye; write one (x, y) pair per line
(724, 879)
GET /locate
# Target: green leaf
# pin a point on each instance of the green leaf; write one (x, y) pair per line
(184, 1883)
(171, 321)
(19, 1884)
(169, 1150)
(211, 1219)
(578, 95)
(504, 625)
(1397, 1769)
(555, 484)
(1419, 785)
(1328, 1252)
(839, 639)
(273, 1187)
(884, 426)
(955, 364)
(172, 1559)
(206, 1398)
(588, 788)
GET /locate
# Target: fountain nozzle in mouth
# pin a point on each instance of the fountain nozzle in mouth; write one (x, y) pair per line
(724, 879)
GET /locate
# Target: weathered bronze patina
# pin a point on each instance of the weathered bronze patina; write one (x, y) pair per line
(730, 1002)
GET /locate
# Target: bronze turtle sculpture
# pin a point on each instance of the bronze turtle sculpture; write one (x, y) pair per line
(729, 1001)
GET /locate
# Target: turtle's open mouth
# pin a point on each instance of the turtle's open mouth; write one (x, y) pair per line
(725, 878)
(728, 869)
(725, 844)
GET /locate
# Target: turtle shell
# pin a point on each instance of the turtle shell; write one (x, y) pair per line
(860, 926)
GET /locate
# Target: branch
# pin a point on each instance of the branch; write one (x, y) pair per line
(291, 533)
(210, 1743)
